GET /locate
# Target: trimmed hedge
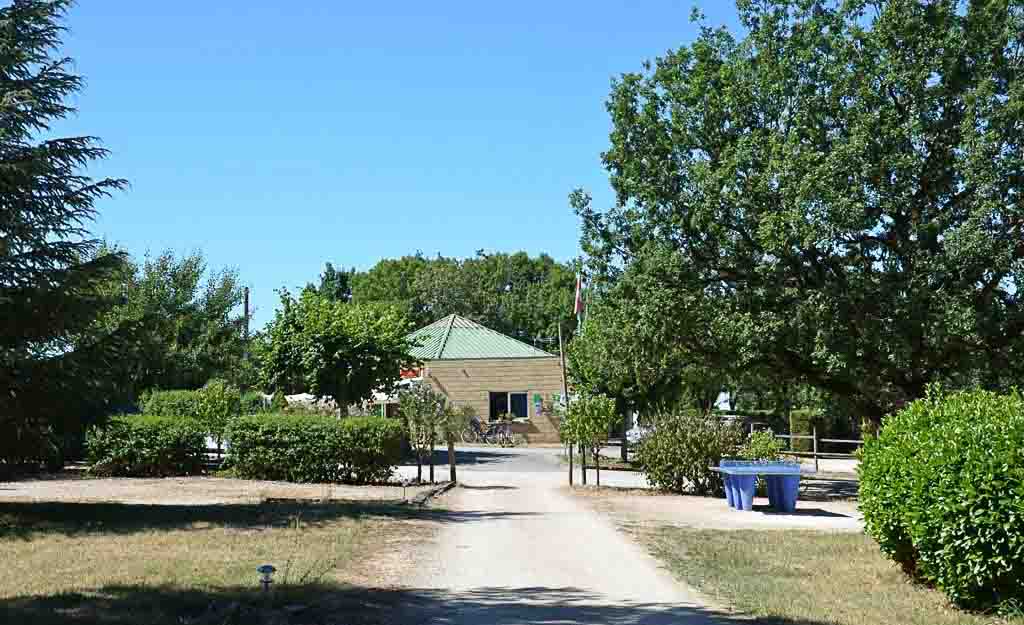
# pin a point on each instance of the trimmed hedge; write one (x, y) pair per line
(146, 446)
(942, 491)
(213, 405)
(679, 450)
(177, 403)
(313, 448)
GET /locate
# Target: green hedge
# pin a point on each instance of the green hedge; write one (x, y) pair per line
(313, 448)
(680, 449)
(176, 403)
(213, 405)
(146, 446)
(942, 491)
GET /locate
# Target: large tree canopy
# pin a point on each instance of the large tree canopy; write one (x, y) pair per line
(843, 185)
(54, 369)
(334, 349)
(515, 294)
(193, 325)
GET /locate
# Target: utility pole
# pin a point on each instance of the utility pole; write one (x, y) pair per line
(246, 335)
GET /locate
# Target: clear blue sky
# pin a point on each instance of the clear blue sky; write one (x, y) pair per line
(276, 136)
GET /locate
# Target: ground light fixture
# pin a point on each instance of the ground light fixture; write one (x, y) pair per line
(266, 576)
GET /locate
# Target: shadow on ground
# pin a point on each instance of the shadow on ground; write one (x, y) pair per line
(811, 512)
(27, 519)
(465, 456)
(828, 489)
(325, 603)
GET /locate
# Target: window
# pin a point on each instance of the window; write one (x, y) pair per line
(504, 402)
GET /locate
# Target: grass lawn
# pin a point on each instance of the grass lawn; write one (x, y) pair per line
(802, 577)
(123, 563)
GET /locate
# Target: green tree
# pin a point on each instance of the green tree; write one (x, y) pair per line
(338, 350)
(193, 326)
(335, 284)
(588, 420)
(55, 368)
(841, 186)
(424, 415)
(391, 281)
(515, 294)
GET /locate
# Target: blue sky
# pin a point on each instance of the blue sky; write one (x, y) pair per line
(277, 136)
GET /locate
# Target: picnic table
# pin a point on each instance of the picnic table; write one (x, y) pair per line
(782, 481)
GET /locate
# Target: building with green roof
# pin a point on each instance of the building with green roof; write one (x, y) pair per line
(495, 374)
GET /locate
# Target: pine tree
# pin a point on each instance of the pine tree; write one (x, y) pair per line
(56, 369)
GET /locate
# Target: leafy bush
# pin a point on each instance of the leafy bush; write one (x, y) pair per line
(679, 451)
(942, 491)
(176, 403)
(761, 446)
(588, 419)
(213, 405)
(801, 423)
(313, 448)
(252, 402)
(217, 402)
(146, 446)
(278, 403)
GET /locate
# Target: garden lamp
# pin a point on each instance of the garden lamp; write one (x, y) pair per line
(266, 575)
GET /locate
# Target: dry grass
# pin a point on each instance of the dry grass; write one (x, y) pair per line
(129, 563)
(803, 577)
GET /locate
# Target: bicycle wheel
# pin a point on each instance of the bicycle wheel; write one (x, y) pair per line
(468, 436)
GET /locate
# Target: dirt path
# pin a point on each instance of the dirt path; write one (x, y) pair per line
(533, 554)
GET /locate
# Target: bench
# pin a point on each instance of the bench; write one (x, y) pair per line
(782, 480)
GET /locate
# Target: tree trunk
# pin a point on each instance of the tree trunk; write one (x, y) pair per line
(451, 459)
(597, 463)
(419, 466)
(570, 464)
(583, 463)
(431, 461)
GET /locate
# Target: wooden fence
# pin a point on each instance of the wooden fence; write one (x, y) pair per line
(813, 437)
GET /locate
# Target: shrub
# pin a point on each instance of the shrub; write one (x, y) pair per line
(313, 448)
(942, 491)
(278, 403)
(252, 402)
(146, 446)
(177, 403)
(801, 423)
(217, 402)
(678, 453)
(761, 446)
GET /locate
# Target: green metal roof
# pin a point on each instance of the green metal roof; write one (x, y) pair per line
(458, 338)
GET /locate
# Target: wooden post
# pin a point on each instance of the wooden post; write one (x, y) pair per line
(814, 433)
(565, 388)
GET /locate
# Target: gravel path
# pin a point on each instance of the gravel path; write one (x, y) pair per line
(526, 551)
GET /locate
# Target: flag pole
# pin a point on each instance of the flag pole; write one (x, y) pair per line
(565, 388)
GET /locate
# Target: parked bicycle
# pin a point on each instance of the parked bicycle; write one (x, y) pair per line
(496, 433)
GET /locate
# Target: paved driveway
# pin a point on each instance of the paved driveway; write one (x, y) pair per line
(536, 554)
